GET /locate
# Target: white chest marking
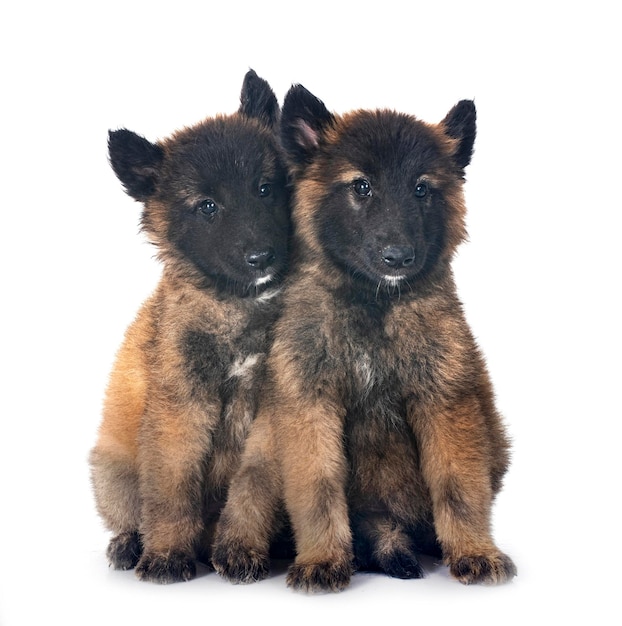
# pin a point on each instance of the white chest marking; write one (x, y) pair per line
(365, 372)
(243, 367)
(268, 295)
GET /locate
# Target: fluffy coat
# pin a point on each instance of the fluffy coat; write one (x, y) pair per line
(378, 430)
(184, 388)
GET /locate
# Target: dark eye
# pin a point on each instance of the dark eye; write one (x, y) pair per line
(362, 187)
(421, 190)
(208, 208)
(265, 190)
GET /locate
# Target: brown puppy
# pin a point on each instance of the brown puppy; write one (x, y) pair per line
(183, 391)
(379, 431)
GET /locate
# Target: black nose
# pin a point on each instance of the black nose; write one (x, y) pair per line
(261, 259)
(398, 256)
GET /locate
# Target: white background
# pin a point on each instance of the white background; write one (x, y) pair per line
(539, 278)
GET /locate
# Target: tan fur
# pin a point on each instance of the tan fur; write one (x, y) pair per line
(184, 388)
(379, 414)
(155, 430)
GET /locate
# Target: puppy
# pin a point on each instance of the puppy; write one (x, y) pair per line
(378, 430)
(184, 388)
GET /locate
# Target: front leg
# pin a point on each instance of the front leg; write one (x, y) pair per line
(174, 446)
(456, 458)
(248, 522)
(314, 475)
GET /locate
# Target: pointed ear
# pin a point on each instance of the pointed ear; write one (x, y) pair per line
(303, 121)
(459, 124)
(258, 100)
(135, 161)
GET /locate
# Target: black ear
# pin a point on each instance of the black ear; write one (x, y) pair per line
(258, 100)
(459, 123)
(303, 121)
(135, 161)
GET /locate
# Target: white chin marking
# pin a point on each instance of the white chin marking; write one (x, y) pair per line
(263, 280)
(393, 280)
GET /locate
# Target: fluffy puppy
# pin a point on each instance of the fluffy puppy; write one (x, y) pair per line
(184, 388)
(378, 430)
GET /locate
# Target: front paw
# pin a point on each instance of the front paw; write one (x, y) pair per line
(312, 577)
(166, 568)
(239, 565)
(124, 550)
(490, 570)
(401, 564)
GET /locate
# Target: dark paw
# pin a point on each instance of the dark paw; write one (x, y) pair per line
(124, 550)
(319, 576)
(401, 565)
(490, 570)
(239, 565)
(166, 568)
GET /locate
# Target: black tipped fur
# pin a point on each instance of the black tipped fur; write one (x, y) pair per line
(378, 432)
(125, 550)
(258, 100)
(165, 569)
(303, 118)
(404, 565)
(243, 566)
(187, 380)
(460, 123)
(319, 577)
(135, 161)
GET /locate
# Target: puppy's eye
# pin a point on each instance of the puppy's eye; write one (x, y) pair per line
(207, 208)
(265, 190)
(421, 190)
(362, 187)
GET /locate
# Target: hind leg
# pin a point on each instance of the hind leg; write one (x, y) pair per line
(383, 544)
(115, 485)
(388, 498)
(113, 460)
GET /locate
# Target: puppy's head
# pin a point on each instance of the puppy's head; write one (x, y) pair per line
(377, 192)
(214, 195)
